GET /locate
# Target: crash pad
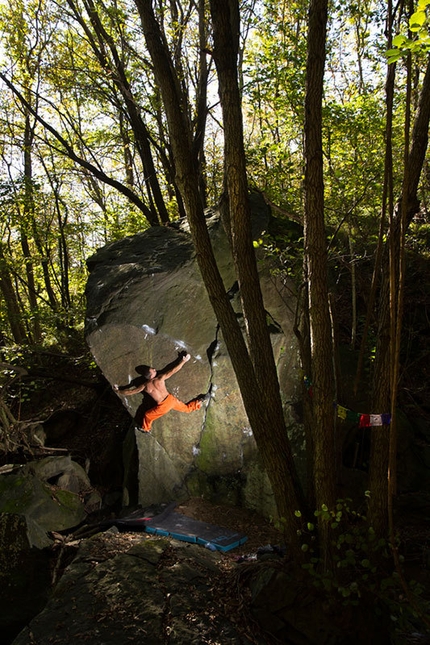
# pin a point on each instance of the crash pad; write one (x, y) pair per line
(171, 523)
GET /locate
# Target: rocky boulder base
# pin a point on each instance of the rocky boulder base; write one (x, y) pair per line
(53, 494)
(145, 302)
(133, 588)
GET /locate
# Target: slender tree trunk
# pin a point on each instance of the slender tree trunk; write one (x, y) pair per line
(62, 282)
(315, 266)
(378, 476)
(225, 19)
(63, 253)
(273, 455)
(201, 101)
(45, 263)
(28, 217)
(127, 147)
(381, 399)
(11, 302)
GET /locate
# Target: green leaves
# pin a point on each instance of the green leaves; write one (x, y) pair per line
(417, 20)
(418, 25)
(356, 554)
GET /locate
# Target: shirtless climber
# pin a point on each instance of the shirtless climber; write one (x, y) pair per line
(154, 385)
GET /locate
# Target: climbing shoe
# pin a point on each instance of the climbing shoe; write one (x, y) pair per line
(204, 398)
(141, 430)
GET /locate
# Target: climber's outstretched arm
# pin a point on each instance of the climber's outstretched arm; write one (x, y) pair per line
(128, 391)
(173, 367)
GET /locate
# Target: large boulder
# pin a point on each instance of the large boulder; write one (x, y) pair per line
(52, 494)
(145, 302)
(135, 589)
(48, 494)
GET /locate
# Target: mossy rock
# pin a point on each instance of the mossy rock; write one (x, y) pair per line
(45, 507)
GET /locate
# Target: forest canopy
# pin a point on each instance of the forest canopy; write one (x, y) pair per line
(86, 155)
(119, 116)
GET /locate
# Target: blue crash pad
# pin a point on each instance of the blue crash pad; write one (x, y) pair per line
(181, 527)
(170, 523)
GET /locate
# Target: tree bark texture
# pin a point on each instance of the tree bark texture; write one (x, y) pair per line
(11, 302)
(315, 267)
(225, 20)
(381, 400)
(273, 454)
(28, 211)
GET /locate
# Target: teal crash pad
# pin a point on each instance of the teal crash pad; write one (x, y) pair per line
(187, 529)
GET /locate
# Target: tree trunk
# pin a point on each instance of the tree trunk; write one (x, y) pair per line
(225, 19)
(273, 453)
(201, 102)
(63, 255)
(12, 305)
(114, 68)
(28, 217)
(378, 476)
(315, 268)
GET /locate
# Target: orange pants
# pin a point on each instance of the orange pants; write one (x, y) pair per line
(169, 403)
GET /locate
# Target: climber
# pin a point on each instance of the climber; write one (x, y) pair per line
(154, 385)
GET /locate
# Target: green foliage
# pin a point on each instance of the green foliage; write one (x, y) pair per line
(363, 565)
(418, 238)
(418, 26)
(283, 244)
(274, 64)
(354, 136)
(355, 550)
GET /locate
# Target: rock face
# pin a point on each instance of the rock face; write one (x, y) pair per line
(131, 589)
(145, 302)
(49, 495)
